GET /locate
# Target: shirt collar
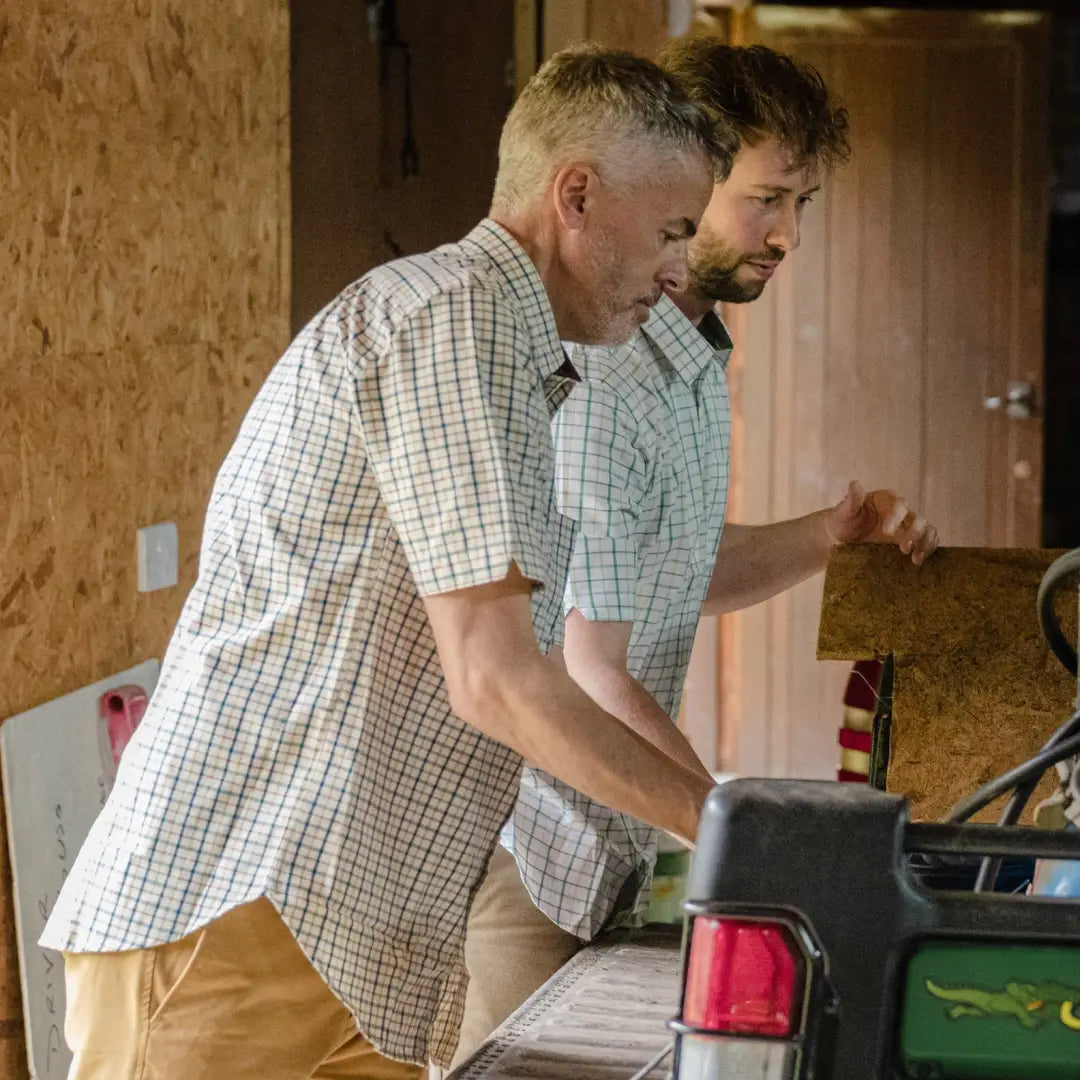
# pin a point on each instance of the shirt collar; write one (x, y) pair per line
(687, 348)
(559, 385)
(523, 281)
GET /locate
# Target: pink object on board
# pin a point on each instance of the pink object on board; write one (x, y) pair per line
(122, 708)
(856, 740)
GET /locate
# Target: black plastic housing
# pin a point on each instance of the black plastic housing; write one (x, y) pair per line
(831, 858)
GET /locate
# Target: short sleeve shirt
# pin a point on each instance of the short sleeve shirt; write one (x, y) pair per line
(642, 469)
(300, 743)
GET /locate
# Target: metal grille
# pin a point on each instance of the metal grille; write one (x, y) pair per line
(602, 1017)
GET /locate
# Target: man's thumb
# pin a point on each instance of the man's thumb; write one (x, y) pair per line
(854, 498)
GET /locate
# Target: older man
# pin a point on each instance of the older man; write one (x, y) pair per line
(277, 887)
(642, 467)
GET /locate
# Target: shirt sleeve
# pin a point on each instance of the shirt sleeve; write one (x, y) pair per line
(457, 433)
(600, 479)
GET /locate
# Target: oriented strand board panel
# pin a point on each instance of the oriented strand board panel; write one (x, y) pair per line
(977, 690)
(94, 446)
(142, 186)
(144, 210)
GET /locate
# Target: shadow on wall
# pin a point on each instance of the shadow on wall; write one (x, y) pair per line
(368, 183)
(1061, 497)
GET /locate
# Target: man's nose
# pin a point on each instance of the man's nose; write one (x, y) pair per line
(785, 233)
(674, 275)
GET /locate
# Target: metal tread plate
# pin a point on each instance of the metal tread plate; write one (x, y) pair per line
(601, 1017)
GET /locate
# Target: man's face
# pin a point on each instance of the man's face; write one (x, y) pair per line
(751, 223)
(634, 247)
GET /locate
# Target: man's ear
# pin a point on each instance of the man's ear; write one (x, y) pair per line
(574, 187)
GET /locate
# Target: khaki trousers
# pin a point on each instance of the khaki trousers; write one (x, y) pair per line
(236, 1000)
(511, 950)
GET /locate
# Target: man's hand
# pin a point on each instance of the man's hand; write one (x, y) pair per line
(880, 517)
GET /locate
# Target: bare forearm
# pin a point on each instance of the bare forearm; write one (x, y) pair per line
(555, 725)
(624, 697)
(756, 562)
(499, 682)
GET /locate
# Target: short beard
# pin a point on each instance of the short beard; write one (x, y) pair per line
(714, 267)
(600, 321)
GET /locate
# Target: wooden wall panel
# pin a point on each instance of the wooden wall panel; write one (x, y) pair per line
(138, 138)
(565, 22)
(640, 26)
(780, 446)
(802, 436)
(352, 207)
(637, 25)
(144, 205)
(1023, 462)
(955, 422)
(95, 446)
(913, 298)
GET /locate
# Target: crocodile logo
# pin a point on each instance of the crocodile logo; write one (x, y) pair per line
(1031, 1005)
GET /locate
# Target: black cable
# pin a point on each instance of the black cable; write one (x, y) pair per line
(1055, 576)
(1029, 770)
(383, 20)
(990, 867)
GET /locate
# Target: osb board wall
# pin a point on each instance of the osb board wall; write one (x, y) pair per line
(977, 690)
(144, 210)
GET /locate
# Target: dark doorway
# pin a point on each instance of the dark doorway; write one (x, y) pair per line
(1061, 500)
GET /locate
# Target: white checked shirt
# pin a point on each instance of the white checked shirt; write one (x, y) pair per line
(300, 744)
(642, 468)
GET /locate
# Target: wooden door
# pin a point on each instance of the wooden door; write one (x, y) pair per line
(917, 295)
(640, 26)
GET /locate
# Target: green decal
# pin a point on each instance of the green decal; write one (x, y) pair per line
(1030, 1004)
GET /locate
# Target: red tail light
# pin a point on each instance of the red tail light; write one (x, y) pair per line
(743, 978)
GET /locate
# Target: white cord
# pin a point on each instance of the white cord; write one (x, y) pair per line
(648, 1068)
(1067, 796)
(1073, 787)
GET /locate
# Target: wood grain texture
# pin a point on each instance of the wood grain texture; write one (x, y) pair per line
(976, 690)
(914, 296)
(639, 26)
(352, 206)
(144, 205)
(138, 138)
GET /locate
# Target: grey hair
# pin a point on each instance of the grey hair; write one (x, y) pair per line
(597, 106)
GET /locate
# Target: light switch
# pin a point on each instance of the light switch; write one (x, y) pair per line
(158, 549)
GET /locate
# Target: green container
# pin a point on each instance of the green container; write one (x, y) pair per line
(668, 887)
(974, 1011)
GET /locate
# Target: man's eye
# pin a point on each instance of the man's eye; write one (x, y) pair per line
(768, 200)
(805, 199)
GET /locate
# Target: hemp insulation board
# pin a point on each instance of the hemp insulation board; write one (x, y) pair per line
(976, 689)
(144, 211)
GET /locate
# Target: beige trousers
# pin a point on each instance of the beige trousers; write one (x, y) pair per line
(511, 950)
(237, 1000)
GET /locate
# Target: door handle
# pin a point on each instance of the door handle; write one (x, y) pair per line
(1019, 401)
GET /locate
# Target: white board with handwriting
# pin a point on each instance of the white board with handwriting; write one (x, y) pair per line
(59, 764)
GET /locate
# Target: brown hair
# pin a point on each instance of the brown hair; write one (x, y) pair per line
(599, 105)
(753, 93)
